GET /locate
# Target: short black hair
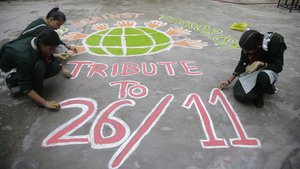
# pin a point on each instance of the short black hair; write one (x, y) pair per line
(250, 40)
(56, 14)
(48, 37)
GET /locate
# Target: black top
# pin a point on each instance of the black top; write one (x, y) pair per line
(21, 54)
(273, 57)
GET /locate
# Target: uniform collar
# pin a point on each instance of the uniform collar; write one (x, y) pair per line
(34, 45)
(45, 20)
(266, 39)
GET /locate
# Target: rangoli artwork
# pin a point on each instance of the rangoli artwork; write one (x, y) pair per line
(128, 39)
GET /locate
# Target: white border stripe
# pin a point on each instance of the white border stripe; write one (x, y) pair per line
(33, 28)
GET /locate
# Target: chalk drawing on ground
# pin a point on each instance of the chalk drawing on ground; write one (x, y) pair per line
(127, 39)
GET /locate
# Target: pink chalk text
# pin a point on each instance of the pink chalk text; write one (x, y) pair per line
(131, 68)
(120, 132)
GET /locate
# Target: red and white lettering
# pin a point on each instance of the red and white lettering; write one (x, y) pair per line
(115, 70)
(138, 91)
(120, 130)
(61, 135)
(124, 87)
(98, 68)
(188, 69)
(129, 68)
(208, 126)
(128, 147)
(132, 68)
(169, 67)
(243, 140)
(78, 65)
(153, 69)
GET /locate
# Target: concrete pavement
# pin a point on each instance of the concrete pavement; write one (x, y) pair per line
(157, 109)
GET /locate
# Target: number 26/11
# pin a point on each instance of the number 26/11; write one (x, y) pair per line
(120, 134)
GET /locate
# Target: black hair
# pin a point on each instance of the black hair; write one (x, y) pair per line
(250, 40)
(56, 14)
(48, 37)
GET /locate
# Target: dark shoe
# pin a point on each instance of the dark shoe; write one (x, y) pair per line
(272, 89)
(12, 84)
(259, 102)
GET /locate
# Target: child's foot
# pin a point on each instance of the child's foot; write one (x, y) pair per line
(272, 89)
(259, 102)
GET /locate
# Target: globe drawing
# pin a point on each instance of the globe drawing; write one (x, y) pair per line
(127, 41)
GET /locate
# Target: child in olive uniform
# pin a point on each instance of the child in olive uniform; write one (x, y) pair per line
(33, 59)
(53, 20)
(260, 62)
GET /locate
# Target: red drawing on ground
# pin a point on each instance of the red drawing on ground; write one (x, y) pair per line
(136, 137)
(129, 39)
(132, 68)
(120, 130)
(62, 135)
(78, 66)
(208, 126)
(243, 140)
(97, 68)
(125, 90)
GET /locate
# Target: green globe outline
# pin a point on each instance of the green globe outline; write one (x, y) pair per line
(127, 41)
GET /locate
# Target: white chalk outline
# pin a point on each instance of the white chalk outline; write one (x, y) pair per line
(210, 122)
(232, 121)
(123, 43)
(61, 127)
(144, 134)
(111, 116)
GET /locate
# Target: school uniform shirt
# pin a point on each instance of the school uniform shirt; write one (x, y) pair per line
(273, 56)
(34, 28)
(21, 54)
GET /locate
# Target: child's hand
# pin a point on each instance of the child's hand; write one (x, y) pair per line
(223, 84)
(253, 67)
(63, 56)
(72, 48)
(52, 105)
(66, 72)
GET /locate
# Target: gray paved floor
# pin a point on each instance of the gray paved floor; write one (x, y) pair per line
(157, 115)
